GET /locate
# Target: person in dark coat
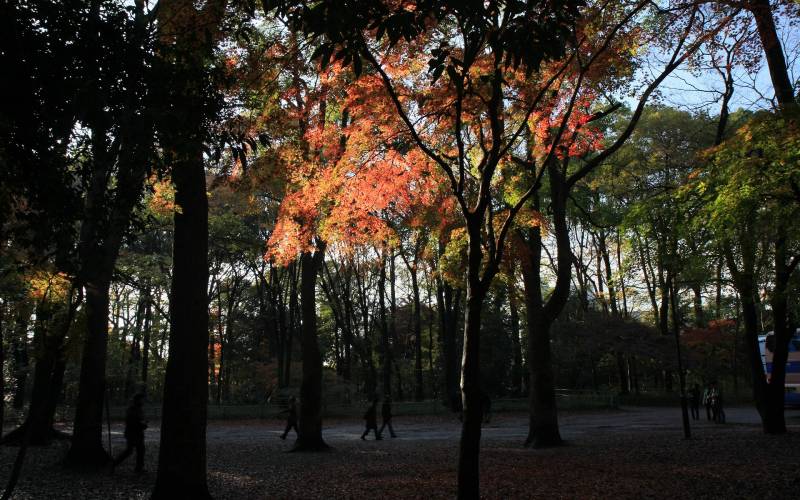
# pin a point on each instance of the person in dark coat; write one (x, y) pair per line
(135, 424)
(371, 420)
(694, 399)
(291, 419)
(386, 415)
(707, 396)
(719, 411)
(713, 399)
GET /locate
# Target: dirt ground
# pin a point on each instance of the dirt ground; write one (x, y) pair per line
(627, 453)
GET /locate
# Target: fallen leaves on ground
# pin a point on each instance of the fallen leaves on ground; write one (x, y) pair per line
(726, 461)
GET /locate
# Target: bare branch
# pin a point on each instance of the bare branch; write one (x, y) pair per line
(675, 61)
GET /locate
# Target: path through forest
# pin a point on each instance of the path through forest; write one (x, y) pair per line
(574, 425)
(627, 453)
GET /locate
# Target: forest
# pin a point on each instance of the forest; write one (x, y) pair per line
(227, 204)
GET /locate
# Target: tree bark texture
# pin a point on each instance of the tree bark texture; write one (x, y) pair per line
(182, 454)
(310, 431)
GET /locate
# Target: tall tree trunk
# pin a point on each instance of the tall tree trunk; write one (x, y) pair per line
(431, 370)
(718, 297)
(773, 50)
(132, 371)
(516, 370)
(612, 292)
(386, 352)
(773, 416)
(310, 431)
(87, 438)
(744, 279)
(543, 423)
(687, 432)
(182, 454)
(393, 324)
(19, 346)
(148, 324)
(419, 394)
(186, 43)
(663, 311)
(26, 433)
(604, 301)
(279, 313)
(697, 304)
(230, 313)
(471, 393)
(3, 307)
(647, 272)
(36, 423)
(371, 375)
(349, 320)
(50, 331)
(621, 275)
(775, 421)
(107, 215)
(543, 427)
(212, 361)
(293, 307)
(449, 305)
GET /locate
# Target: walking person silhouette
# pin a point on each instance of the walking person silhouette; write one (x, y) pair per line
(291, 419)
(135, 424)
(370, 419)
(386, 415)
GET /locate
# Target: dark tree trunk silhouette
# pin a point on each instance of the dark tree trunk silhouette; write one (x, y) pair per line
(516, 342)
(769, 396)
(393, 326)
(543, 426)
(50, 331)
(449, 306)
(148, 324)
(697, 305)
(417, 325)
(38, 426)
(773, 50)
(182, 454)
(744, 279)
(292, 323)
(471, 393)
(135, 355)
(3, 307)
(310, 431)
(107, 216)
(186, 42)
(19, 346)
(673, 293)
(604, 252)
(349, 319)
(386, 351)
(774, 416)
(87, 446)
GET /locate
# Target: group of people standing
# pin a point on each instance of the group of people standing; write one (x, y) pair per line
(711, 398)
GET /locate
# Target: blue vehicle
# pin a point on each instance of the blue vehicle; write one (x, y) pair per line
(766, 344)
